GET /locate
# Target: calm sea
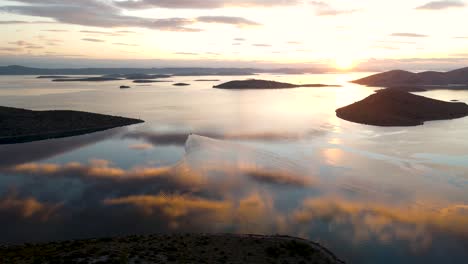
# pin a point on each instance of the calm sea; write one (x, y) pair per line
(265, 161)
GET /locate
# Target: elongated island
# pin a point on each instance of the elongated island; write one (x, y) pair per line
(21, 125)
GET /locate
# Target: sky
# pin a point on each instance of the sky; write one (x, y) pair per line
(337, 34)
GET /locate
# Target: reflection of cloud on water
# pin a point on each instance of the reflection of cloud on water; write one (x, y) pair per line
(179, 138)
(277, 177)
(39, 150)
(224, 187)
(13, 206)
(366, 221)
(175, 206)
(141, 146)
(94, 169)
(252, 213)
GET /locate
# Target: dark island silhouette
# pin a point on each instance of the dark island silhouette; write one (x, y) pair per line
(21, 125)
(52, 77)
(181, 84)
(150, 81)
(87, 79)
(125, 87)
(183, 248)
(180, 71)
(264, 84)
(138, 76)
(414, 82)
(207, 80)
(390, 107)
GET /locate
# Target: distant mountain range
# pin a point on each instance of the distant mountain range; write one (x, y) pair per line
(21, 70)
(397, 78)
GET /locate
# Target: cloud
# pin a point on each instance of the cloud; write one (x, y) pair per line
(239, 21)
(179, 138)
(363, 221)
(172, 205)
(141, 146)
(25, 153)
(23, 45)
(126, 32)
(19, 22)
(324, 9)
(213, 53)
(206, 4)
(108, 14)
(180, 173)
(186, 53)
(20, 43)
(261, 45)
(440, 5)
(27, 207)
(34, 47)
(49, 41)
(8, 49)
(409, 35)
(125, 44)
(104, 33)
(240, 39)
(100, 169)
(55, 30)
(93, 40)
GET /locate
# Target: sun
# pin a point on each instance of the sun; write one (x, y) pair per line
(344, 64)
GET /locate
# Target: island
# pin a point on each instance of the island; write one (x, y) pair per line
(390, 107)
(87, 79)
(181, 84)
(124, 87)
(138, 76)
(22, 70)
(21, 125)
(264, 84)
(52, 77)
(207, 80)
(149, 81)
(409, 81)
(176, 248)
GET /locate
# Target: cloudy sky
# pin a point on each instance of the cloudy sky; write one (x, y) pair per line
(297, 33)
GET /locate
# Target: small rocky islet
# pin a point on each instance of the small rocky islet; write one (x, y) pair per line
(392, 107)
(181, 84)
(265, 84)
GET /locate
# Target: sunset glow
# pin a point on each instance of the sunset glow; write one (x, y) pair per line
(236, 33)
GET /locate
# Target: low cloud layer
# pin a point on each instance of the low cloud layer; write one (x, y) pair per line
(206, 4)
(324, 9)
(409, 35)
(109, 14)
(439, 5)
(93, 40)
(239, 21)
